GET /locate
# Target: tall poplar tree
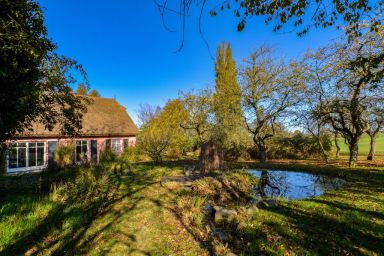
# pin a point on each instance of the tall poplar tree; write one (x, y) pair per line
(227, 96)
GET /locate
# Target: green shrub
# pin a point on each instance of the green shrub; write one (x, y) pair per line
(113, 164)
(174, 153)
(118, 168)
(235, 186)
(92, 187)
(131, 155)
(235, 152)
(296, 145)
(64, 156)
(107, 156)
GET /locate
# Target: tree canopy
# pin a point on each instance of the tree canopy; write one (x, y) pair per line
(227, 95)
(35, 80)
(269, 88)
(94, 93)
(162, 134)
(336, 91)
(301, 15)
(82, 89)
(347, 77)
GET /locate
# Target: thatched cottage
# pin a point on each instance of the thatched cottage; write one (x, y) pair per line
(106, 124)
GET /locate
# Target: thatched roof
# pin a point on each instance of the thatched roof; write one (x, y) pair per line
(104, 117)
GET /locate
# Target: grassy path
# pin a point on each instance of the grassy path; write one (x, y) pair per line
(349, 221)
(140, 223)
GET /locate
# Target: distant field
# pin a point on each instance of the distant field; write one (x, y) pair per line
(364, 145)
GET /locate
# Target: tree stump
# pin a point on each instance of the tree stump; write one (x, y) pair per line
(211, 157)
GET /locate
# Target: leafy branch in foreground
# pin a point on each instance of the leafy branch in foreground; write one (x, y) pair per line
(35, 81)
(301, 15)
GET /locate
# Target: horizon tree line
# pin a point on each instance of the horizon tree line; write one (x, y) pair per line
(326, 92)
(345, 76)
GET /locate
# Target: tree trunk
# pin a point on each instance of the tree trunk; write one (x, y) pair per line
(211, 157)
(372, 149)
(337, 147)
(325, 156)
(263, 181)
(262, 151)
(353, 152)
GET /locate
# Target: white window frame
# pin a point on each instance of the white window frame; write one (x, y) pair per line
(51, 140)
(26, 167)
(118, 143)
(81, 145)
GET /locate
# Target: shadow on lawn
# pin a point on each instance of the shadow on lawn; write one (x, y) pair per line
(324, 235)
(203, 243)
(342, 227)
(343, 223)
(54, 235)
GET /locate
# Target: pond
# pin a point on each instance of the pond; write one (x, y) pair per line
(297, 185)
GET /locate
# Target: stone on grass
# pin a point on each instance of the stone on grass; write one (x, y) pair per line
(252, 209)
(218, 233)
(185, 181)
(208, 210)
(224, 216)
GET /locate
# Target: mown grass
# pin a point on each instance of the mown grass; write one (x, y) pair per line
(141, 223)
(349, 221)
(143, 220)
(138, 222)
(20, 215)
(35, 225)
(364, 145)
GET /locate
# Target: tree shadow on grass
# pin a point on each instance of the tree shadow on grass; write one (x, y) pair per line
(205, 244)
(335, 224)
(61, 231)
(85, 245)
(345, 222)
(328, 234)
(346, 207)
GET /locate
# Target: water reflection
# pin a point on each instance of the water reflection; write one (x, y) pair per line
(294, 185)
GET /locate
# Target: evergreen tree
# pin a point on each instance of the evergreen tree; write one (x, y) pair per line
(227, 97)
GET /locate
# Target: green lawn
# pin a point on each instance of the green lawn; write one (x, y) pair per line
(139, 222)
(143, 221)
(364, 145)
(349, 221)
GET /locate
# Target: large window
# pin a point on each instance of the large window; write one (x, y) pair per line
(81, 150)
(116, 145)
(26, 154)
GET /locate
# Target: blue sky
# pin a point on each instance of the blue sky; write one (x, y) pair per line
(128, 54)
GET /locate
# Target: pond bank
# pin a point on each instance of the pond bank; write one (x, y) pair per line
(348, 221)
(152, 220)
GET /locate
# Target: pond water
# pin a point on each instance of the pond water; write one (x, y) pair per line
(297, 185)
